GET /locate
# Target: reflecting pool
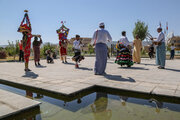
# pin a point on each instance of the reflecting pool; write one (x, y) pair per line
(96, 106)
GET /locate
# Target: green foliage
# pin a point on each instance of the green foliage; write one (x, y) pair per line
(90, 49)
(12, 49)
(140, 29)
(3, 53)
(143, 52)
(70, 50)
(168, 47)
(46, 47)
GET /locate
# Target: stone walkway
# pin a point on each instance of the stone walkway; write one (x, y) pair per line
(11, 103)
(65, 79)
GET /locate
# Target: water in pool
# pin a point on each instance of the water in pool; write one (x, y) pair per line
(97, 106)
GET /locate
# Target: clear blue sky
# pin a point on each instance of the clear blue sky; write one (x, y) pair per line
(83, 16)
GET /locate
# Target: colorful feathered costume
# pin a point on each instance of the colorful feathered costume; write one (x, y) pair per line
(124, 56)
(25, 29)
(63, 33)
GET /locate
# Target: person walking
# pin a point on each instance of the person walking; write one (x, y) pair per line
(172, 51)
(99, 40)
(137, 50)
(21, 52)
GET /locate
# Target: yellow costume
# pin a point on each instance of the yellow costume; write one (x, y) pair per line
(137, 50)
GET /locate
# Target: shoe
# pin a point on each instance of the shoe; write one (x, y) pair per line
(104, 73)
(161, 67)
(76, 66)
(39, 64)
(27, 70)
(97, 74)
(35, 64)
(62, 61)
(66, 62)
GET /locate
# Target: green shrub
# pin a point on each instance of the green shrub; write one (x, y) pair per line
(3, 54)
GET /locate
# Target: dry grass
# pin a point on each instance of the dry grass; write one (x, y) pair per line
(10, 58)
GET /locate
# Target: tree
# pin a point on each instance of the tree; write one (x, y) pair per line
(47, 46)
(140, 29)
(13, 49)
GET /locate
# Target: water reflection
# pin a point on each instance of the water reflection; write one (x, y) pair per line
(123, 100)
(157, 103)
(99, 107)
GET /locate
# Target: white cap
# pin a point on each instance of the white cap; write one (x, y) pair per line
(159, 27)
(101, 24)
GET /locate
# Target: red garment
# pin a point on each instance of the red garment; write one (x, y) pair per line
(27, 49)
(20, 46)
(63, 50)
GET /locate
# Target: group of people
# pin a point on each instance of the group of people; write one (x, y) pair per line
(99, 40)
(124, 54)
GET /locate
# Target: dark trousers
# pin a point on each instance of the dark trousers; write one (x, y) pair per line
(21, 55)
(77, 55)
(49, 59)
(151, 55)
(172, 54)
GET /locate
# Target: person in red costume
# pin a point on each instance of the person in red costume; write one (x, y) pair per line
(27, 45)
(63, 42)
(25, 29)
(63, 50)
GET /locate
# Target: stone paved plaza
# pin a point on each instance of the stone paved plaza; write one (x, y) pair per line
(65, 79)
(12, 103)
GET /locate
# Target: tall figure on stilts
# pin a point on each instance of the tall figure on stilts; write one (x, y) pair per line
(25, 29)
(63, 33)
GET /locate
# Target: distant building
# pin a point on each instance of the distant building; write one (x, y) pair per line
(176, 41)
(85, 41)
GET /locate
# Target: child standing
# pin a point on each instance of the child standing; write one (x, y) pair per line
(172, 51)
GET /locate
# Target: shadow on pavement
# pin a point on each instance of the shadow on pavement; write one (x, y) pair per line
(41, 66)
(84, 68)
(69, 63)
(30, 75)
(148, 64)
(134, 68)
(175, 70)
(119, 78)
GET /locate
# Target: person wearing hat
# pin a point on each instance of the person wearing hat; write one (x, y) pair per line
(99, 40)
(160, 49)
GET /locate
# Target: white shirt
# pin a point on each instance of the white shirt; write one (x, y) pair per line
(101, 36)
(161, 37)
(76, 44)
(173, 47)
(124, 41)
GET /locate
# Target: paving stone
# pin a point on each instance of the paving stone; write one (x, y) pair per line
(163, 91)
(65, 79)
(12, 103)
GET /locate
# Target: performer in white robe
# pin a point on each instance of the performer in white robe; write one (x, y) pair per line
(100, 39)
